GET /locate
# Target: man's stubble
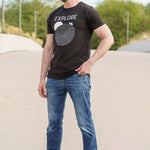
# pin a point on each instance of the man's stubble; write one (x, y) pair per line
(64, 1)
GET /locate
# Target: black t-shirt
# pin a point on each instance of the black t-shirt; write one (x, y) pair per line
(72, 29)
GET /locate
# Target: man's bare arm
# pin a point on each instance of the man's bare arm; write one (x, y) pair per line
(47, 56)
(107, 41)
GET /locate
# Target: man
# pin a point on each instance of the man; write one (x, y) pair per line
(66, 58)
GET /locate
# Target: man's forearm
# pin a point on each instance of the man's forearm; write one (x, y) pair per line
(103, 47)
(107, 40)
(47, 56)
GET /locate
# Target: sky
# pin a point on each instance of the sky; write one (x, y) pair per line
(94, 2)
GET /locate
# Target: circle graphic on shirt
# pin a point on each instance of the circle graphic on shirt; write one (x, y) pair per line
(57, 24)
(64, 34)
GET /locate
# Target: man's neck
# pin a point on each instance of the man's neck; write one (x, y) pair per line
(71, 3)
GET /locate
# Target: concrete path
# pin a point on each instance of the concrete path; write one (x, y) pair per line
(10, 42)
(120, 102)
(140, 46)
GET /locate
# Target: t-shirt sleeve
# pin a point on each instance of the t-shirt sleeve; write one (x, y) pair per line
(49, 27)
(94, 19)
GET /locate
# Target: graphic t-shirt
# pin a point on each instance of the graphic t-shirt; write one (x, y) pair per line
(72, 28)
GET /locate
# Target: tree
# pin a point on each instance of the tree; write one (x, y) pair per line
(147, 8)
(113, 13)
(28, 7)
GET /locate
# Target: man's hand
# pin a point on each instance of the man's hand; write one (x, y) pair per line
(47, 56)
(42, 89)
(85, 68)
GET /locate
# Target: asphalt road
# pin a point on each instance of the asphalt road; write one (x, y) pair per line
(141, 46)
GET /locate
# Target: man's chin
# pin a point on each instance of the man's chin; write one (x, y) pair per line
(64, 1)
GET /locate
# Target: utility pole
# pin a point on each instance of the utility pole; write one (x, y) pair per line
(3, 15)
(127, 27)
(19, 17)
(35, 28)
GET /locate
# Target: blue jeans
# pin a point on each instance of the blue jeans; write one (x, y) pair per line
(78, 88)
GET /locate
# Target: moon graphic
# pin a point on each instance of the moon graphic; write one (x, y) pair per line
(71, 23)
(64, 34)
(57, 24)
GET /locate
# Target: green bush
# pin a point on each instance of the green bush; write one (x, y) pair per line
(27, 15)
(113, 12)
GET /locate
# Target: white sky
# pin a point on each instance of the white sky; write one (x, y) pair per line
(94, 2)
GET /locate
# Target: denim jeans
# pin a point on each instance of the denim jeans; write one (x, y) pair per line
(78, 87)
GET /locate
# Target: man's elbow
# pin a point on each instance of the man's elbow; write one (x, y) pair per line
(111, 40)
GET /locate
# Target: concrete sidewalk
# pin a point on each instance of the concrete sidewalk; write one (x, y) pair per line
(120, 103)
